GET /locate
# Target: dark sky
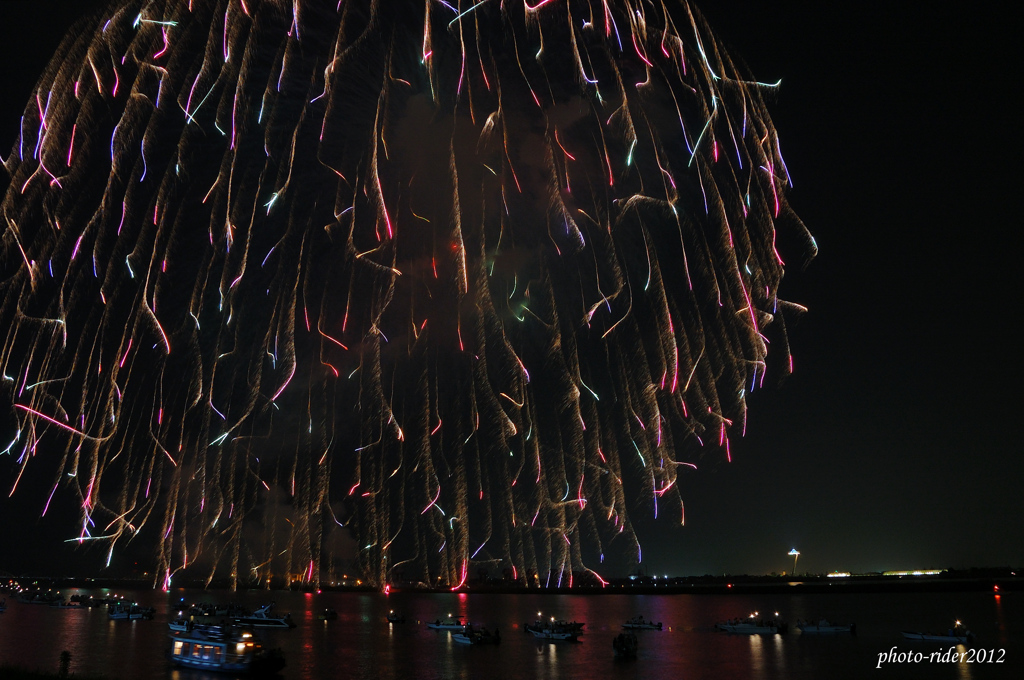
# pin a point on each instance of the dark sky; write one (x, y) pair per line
(895, 444)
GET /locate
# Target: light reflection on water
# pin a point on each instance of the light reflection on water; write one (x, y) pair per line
(362, 644)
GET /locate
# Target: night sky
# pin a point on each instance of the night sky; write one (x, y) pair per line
(894, 445)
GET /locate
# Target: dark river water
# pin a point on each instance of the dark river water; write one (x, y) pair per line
(361, 644)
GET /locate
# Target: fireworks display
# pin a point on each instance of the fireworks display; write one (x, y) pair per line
(476, 280)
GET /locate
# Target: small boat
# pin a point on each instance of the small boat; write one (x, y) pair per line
(477, 636)
(555, 630)
(958, 633)
(451, 623)
(573, 626)
(224, 649)
(624, 646)
(3, 605)
(555, 634)
(118, 612)
(125, 612)
(38, 597)
(638, 623)
(750, 626)
(327, 615)
(261, 618)
(66, 604)
(180, 625)
(823, 626)
(392, 617)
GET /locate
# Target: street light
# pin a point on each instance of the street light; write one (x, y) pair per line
(795, 553)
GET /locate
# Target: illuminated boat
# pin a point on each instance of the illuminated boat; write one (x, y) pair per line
(261, 618)
(38, 597)
(214, 648)
(572, 626)
(555, 634)
(638, 623)
(823, 626)
(180, 625)
(392, 617)
(474, 636)
(124, 612)
(751, 626)
(555, 630)
(958, 633)
(451, 623)
(327, 615)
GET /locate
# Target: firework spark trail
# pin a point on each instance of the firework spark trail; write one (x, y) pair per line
(473, 279)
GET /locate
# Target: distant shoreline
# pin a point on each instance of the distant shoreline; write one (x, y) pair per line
(998, 581)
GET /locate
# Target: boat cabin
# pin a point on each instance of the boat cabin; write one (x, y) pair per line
(213, 651)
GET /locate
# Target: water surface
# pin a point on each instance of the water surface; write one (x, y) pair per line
(361, 644)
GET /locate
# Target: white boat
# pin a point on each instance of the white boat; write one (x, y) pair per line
(125, 612)
(573, 626)
(180, 625)
(823, 626)
(219, 649)
(555, 630)
(638, 623)
(451, 623)
(749, 626)
(261, 618)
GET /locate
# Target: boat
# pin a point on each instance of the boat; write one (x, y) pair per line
(226, 649)
(824, 626)
(180, 625)
(136, 612)
(451, 623)
(573, 626)
(327, 615)
(624, 646)
(477, 636)
(117, 612)
(751, 626)
(38, 597)
(125, 612)
(958, 633)
(3, 605)
(638, 623)
(261, 618)
(555, 630)
(392, 617)
(213, 610)
(555, 634)
(66, 604)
